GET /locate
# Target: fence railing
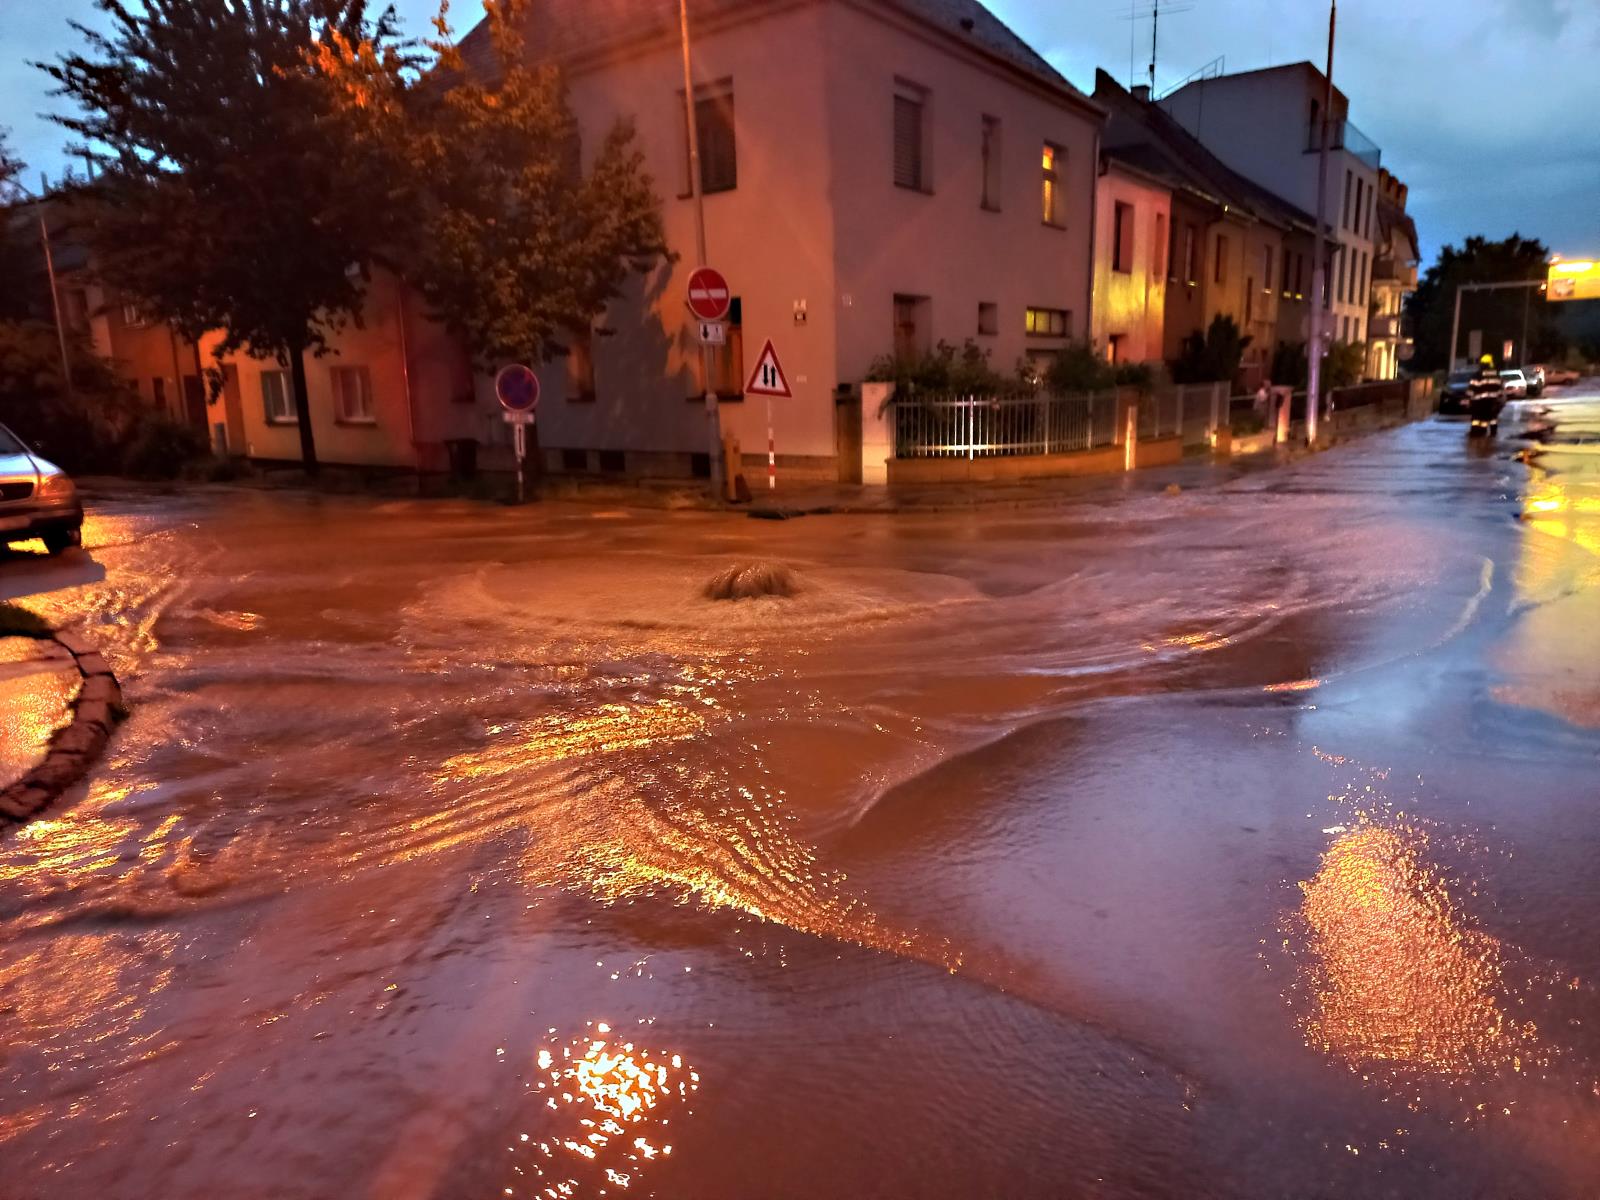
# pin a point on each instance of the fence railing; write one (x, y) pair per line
(942, 425)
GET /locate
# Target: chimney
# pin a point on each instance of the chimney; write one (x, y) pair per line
(1141, 93)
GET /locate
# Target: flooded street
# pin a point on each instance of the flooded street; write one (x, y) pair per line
(1238, 842)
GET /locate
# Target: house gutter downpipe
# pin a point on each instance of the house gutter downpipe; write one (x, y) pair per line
(1319, 277)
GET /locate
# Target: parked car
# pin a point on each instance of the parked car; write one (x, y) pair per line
(1453, 396)
(1535, 380)
(1560, 376)
(1514, 384)
(37, 500)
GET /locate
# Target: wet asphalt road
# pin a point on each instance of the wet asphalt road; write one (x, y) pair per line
(1234, 843)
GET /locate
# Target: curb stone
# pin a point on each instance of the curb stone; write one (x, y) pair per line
(75, 748)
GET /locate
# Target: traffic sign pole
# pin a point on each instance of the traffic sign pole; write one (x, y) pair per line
(517, 387)
(772, 452)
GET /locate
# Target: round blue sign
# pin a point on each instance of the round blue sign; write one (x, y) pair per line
(518, 388)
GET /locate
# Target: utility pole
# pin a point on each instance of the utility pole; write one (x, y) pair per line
(55, 293)
(1319, 274)
(713, 417)
(1155, 24)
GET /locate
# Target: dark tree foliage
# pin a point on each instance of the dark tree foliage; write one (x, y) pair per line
(1498, 314)
(229, 194)
(1212, 357)
(516, 247)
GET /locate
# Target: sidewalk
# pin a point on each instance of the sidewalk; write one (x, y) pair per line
(38, 680)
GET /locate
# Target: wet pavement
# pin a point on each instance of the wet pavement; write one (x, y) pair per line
(38, 680)
(1239, 842)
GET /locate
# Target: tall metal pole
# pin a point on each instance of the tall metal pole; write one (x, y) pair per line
(55, 300)
(1522, 346)
(1455, 331)
(1319, 274)
(713, 417)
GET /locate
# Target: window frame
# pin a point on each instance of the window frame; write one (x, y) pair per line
(988, 318)
(1219, 269)
(992, 157)
(716, 92)
(914, 94)
(1052, 205)
(1123, 219)
(291, 413)
(580, 367)
(1031, 321)
(338, 374)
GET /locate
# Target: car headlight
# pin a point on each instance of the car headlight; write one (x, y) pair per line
(56, 486)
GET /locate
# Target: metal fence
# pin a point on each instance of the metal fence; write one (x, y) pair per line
(941, 425)
(955, 426)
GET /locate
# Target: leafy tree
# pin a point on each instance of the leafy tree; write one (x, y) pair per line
(1213, 357)
(945, 368)
(230, 193)
(1343, 365)
(1289, 365)
(1498, 314)
(514, 246)
(16, 246)
(84, 431)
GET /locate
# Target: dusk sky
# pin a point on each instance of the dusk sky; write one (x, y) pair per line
(1487, 108)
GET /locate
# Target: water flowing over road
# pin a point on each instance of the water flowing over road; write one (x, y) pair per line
(1238, 842)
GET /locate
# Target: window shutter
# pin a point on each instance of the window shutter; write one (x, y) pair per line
(907, 142)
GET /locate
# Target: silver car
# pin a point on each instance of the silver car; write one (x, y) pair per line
(37, 500)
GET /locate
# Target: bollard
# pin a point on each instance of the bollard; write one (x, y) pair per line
(1130, 439)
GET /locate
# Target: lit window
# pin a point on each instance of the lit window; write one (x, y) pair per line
(1047, 322)
(1050, 164)
(132, 317)
(352, 395)
(277, 397)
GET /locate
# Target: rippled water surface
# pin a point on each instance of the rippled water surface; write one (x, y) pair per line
(1239, 842)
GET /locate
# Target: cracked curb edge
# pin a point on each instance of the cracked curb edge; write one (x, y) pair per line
(97, 709)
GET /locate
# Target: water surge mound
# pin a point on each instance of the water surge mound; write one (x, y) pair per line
(747, 581)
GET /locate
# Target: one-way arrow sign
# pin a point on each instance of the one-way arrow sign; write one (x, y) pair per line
(768, 378)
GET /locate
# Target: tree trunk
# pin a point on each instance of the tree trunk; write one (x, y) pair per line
(302, 409)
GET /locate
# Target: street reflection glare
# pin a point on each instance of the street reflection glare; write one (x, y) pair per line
(614, 1103)
(1396, 972)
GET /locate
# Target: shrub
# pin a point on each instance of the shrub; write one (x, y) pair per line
(162, 448)
(942, 369)
(83, 432)
(1212, 357)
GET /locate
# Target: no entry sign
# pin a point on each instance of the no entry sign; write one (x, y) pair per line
(518, 388)
(709, 296)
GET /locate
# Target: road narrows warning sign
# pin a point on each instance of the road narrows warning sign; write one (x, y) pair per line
(768, 378)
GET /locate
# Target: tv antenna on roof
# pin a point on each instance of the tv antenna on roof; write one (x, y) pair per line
(1154, 10)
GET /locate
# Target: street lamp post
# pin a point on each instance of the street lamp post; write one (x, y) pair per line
(1319, 272)
(713, 416)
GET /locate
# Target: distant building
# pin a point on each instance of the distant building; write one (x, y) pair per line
(1133, 213)
(1234, 248)
(1267, 126)
(1394, 277)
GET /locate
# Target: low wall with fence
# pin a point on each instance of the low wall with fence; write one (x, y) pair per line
(933, 437)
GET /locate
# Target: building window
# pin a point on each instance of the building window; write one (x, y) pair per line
(158, 392)
(580, 366)
(1339, 290)
(352, 396)
(1249, 299)
(132, 316)
(1220, 270)
(1299, 276)
(1048, 322)
(1360, 210)
(1158, 248)
(1288, 281)
(1122, 230)
(1051, 161)
(1191, 254)
(728, 359)
(277, 397)
(910, 136)
(988, 318)
(991, 164)
(1344, 218)
(1266, 269)
(1117, 348)
(912, 338)
(713, 129)
(75, 308)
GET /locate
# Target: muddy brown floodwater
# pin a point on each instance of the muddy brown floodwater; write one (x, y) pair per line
(1239, 842)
